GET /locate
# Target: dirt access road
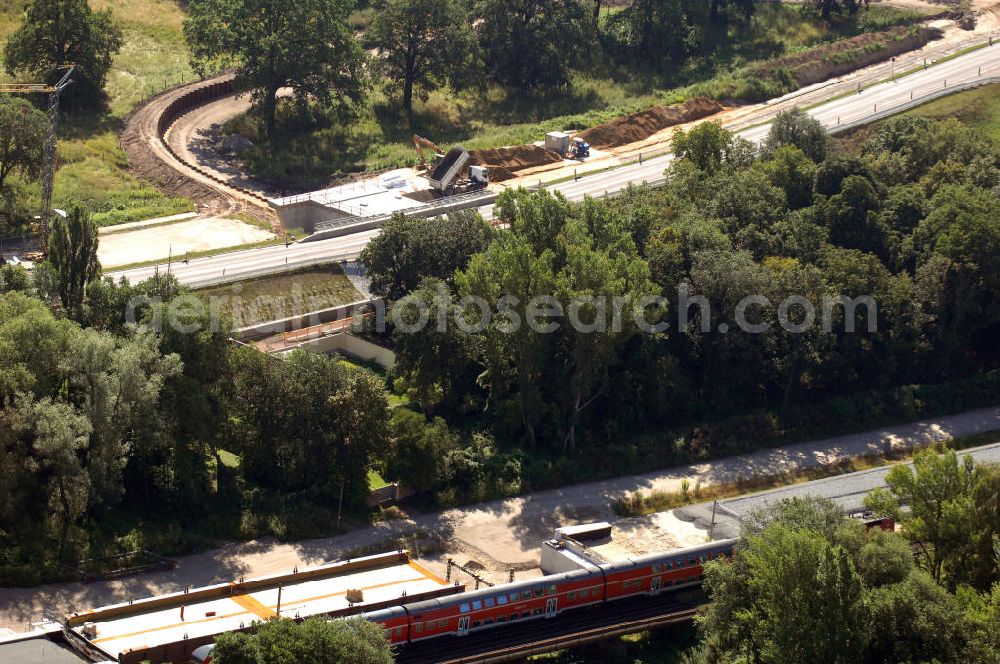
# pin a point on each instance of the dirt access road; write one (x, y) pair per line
(499, 535)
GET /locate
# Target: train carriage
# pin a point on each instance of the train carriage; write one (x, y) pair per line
(655, 573)
(395, 620)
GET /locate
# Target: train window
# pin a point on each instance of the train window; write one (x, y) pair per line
(399, 631)
(489, 603)
(477, 605)
(501, 600)
(571, 595)
(501, 619)
(595, 591)
(656, 569)
(538, 592)
(488, 621)
(551, 590)
(513, 617)
(514, 597)
(443, 623)
(418, 627)
(527, 594)
(464, 608)
(692, 561)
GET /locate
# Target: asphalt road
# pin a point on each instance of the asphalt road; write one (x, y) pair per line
(848, 491)
(752, 125)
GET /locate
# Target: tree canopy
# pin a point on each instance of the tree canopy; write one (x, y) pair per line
(423, 45)
(56, 33)
(314, 641)
(306, 45)
(23, 130)
(531, 44)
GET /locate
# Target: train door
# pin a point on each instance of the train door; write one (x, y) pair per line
(654, 585)
(550, 606)
(463, 625)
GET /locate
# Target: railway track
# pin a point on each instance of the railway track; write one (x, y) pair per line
(543, 635)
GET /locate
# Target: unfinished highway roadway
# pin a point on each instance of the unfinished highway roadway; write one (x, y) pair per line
(836, 104)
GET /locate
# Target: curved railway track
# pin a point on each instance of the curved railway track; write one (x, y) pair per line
(144, 139)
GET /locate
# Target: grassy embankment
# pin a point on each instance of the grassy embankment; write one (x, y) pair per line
(284, 295)
(93, 169)
(493, 117)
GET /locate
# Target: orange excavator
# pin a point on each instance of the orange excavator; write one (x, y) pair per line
(419, 142)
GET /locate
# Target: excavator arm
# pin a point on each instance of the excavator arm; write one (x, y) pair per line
(419, 142)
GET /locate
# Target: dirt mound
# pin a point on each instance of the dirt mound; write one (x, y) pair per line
(825, 62)
(504, 163)
(638, 126)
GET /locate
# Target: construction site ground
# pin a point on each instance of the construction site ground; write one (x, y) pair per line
(158, 241)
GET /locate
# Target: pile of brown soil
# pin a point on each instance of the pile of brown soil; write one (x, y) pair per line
(504, 163)
(638, 126)
(825, 62)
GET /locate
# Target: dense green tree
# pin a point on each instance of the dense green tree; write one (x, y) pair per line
(982, 617)
(797, 599)
(423, 45)
(827, 8)
(14, 278)
(56, 33)
(73, 253)
(710, 148)
(23, 130)
(314, 641)
(532, 43)
(419, 449)
(937, 489)
(789, 169)
(915, 621)
(408, 250)
(720, 9)
(306, 423)
(854, 594)
(436, 359)
(797, 128)
(550, 254)
(307, 46)
(655, 30)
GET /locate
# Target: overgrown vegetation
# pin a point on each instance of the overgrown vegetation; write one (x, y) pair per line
(93, 169)
(282, 296)
(606, 83)
(728, 224)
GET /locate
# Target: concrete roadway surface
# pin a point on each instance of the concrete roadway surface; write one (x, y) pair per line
(751, 125)
(848, 491)
(509, 530)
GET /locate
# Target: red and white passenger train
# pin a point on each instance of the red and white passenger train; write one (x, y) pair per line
(544, 597)
(548, 596)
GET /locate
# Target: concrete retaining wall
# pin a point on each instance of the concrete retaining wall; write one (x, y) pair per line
(301, 322)
(350, 346)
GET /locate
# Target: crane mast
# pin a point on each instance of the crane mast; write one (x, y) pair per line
(49, 152)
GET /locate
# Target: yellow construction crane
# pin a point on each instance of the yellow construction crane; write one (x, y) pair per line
(49, 151)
